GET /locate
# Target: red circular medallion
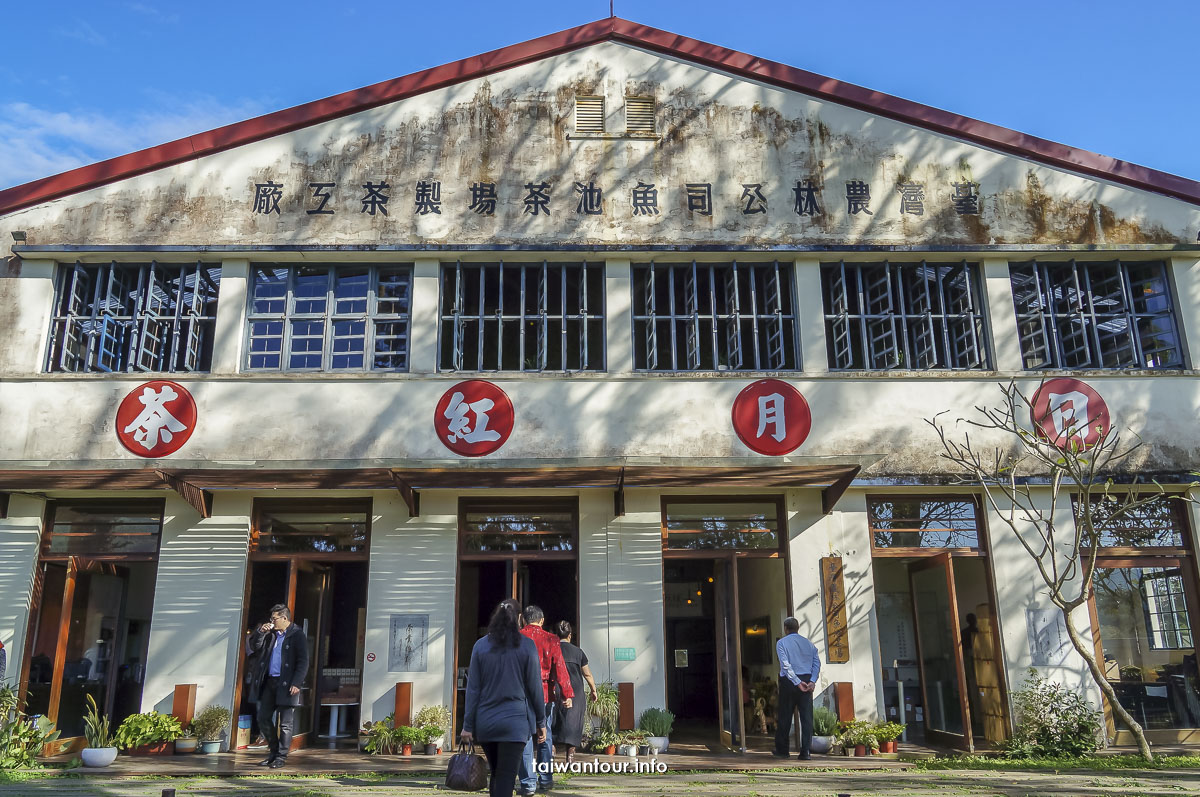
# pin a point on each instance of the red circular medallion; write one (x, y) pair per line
(473, 418)
(1069, 412)
(156, 419)
(771, 417)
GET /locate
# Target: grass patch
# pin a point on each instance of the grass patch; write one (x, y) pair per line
(25, 775)
(1105, 763)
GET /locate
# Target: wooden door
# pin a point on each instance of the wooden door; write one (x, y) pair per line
(939, 653)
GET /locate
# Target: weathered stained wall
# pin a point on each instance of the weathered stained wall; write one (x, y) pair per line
(513, 128)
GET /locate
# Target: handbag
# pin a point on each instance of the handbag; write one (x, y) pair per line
(467, 770)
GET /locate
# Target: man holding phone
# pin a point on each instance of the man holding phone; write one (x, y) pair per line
(280, 662)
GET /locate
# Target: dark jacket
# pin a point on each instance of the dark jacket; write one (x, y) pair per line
(504, 692)
(293, 663)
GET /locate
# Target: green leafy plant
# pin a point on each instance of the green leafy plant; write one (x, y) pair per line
(149, 728)
(656, 722)
(209, 723)
(96, 728)
(21, 737)
(407, 734)
(605, 739)
(381, 737)
(605, 707)
(888, 731)
(858, 733)
(429, 734)
(437, 717)
(825, 722)
(1051, 720)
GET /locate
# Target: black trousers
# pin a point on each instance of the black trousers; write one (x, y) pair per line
(790, 698)
(281, 742)
(503, 759)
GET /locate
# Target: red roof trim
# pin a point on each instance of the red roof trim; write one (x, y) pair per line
(732, 61)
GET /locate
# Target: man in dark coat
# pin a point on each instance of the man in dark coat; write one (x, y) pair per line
(279, 662)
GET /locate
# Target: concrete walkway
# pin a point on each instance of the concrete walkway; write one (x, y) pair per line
(826, 782)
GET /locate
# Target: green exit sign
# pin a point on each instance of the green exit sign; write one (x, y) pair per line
(624, 654)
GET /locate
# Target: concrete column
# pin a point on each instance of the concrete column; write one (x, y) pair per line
(618, 305)
(423, 326)
(1001, 316)
(843, 533)
(632, 616)
(27, 295)
(1185, 272)
(195, 630)
(229, 333)
(412, 569)
(810, 316)
(20, 538)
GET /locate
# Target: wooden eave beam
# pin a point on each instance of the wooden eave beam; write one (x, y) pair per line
(412, 498)
(833, 493)
(200, 499)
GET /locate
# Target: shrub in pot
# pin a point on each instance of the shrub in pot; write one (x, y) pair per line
(435, 717)
(605, 707)
(825, 728)
(100, 750)
(657, 724)
(408, 736)
(429, 735)
(859, 735)
(148, 734)
(606, 742)
(209, 724)
(380, 736)
(887, 733)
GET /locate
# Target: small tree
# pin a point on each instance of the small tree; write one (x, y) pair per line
(1028, 460)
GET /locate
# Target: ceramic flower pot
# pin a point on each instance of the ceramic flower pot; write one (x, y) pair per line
(660, 742)
(186, 745)
(210, 747)
(406, 750)
(431, 749)
(610, 750)
(98, 756)
(821, 744)
(157, 748)
(860, 749)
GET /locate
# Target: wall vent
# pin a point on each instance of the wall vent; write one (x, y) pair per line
(639, 114)
(589, 114)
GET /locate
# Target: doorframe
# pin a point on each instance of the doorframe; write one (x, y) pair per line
(72, 563)
(783, 551)
(945, 738)
(532, 503)
(260, 506)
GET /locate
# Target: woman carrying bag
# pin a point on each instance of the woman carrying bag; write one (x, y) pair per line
(504, 697)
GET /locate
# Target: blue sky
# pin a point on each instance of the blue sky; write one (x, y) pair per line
(84, 81)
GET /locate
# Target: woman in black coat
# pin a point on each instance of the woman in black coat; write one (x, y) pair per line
(568, 722)
(504, 697)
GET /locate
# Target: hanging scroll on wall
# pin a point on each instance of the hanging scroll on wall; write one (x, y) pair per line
(837, 632)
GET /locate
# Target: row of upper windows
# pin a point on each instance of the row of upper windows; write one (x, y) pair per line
(544, 316)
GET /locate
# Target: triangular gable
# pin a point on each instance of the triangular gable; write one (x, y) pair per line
(611, 29)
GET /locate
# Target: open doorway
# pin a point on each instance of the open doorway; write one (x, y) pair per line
(722, 619)
(513, 549)
(312, 557)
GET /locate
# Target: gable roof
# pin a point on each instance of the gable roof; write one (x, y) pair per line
(610, 29)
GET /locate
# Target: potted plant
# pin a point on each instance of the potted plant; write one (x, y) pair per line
(188, 742)
(606, 742)
(859, 736)
(605, 707)
(100, 750)
(429, 735)
(408, 736)
(657, 723)
(380, 737)
(435, 717)
(151, 733)
(209, 725)
(825, 728)
(887, 733)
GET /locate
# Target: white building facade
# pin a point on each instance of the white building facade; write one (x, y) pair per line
(632, 327)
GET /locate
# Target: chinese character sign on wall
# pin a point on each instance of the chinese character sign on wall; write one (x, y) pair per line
(156, 419)
(771, 417)
(1069, 413)
(473, 418)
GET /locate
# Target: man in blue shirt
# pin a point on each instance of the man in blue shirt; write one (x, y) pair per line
(799, 666)
(278, 664)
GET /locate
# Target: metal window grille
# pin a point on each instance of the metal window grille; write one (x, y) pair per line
(329, 318)
(522, 317)
(118, 317)
(639, 114)
(918, 316)
(589, 114)
(1095, 315)
(714, 317)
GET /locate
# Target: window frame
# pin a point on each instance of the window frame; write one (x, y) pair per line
(148, 505)
(457, 317)
(908, 552)
(138, 325)
(265, 506)
(370, 318)
(644, 332)
(778, 499)
(903, 325)
(1051, 349)
(467, 506)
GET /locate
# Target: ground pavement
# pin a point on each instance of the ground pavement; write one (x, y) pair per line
(778, 783)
